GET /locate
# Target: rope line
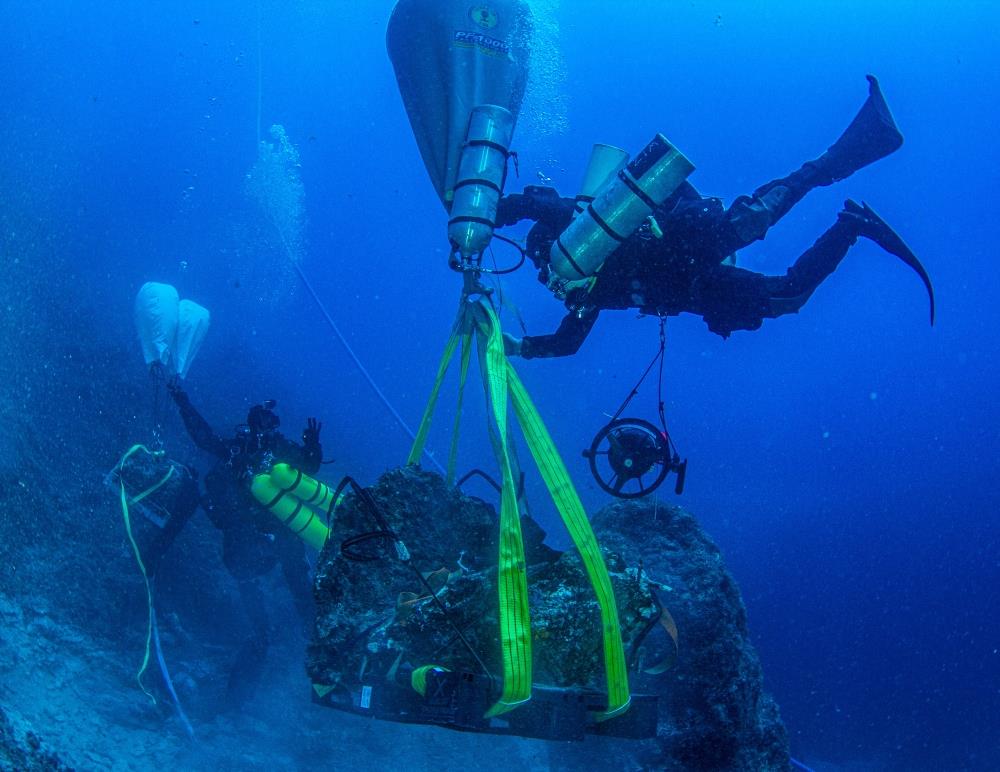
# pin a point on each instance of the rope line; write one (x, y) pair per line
(357, 362)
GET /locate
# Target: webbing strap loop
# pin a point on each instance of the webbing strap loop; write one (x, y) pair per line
(155, 487)
(501, 384)
(456, 426)
(420, 440)
(573, 515)
(512, 577)
(138, 555)
(418, 678)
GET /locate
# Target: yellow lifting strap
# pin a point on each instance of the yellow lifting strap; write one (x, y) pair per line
(418, 678)
(462, 377)
(125, 500)
(457, 334)
(502, 383)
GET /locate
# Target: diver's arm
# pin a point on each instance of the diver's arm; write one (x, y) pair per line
(537, 203)
(312, 457)
(197, 427)
(312, 451)
(306, 458)
(563, 342)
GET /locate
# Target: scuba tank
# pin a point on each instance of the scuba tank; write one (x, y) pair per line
(619, 209)
(479, 185)
(297, 500)
(605, 162)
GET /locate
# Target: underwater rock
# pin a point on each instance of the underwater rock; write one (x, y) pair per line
(714, 712)
(373, 616)
(358, 600)
(25, 753)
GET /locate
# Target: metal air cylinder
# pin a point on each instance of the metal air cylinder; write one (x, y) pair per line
(481, 172)
(605, 162)
(619, 209)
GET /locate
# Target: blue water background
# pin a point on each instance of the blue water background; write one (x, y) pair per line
(845, 459)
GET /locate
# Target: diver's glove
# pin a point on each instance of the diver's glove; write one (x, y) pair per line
(512, 346)
(537, 203)
(310, 435)
(511, 209)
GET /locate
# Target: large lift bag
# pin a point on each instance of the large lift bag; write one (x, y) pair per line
(451, 56)
(170, 330)
(192, 326)
(156, 317)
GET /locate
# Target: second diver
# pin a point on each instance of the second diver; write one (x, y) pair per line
(677, 261)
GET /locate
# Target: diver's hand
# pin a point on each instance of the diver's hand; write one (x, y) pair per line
(175, 390)
(511, 345)
(511, 209)
(539, 203)
(310, 435)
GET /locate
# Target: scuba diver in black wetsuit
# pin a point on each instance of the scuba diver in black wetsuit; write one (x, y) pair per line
(254, 541)
(676, 262)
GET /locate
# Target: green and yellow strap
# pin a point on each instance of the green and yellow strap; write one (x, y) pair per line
(573, 515)
(125, 500)
(500, 381)
(425, 422)
(463, 376)
(418, 678)
(512, 576)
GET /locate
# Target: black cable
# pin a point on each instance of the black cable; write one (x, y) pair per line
(402, 553)
(659, 357)
(659, 385)
(335, 500)
(458, 265)
(493, 483)
(347, 545)
(502, 271)
(659, 391)
(480, 473)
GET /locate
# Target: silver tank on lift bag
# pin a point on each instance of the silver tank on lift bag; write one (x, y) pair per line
(479, 184)
(619, 208)
(462, 69)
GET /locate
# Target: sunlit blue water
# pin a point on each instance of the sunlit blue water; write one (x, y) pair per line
(844, 458)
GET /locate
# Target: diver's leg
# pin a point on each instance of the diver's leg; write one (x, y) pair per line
(298, 576)
(789, 293)
(730, 298)
(872, 135)
(185, 503)
(250, 658)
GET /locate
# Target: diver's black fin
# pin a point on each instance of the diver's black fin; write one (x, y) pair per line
(872, 226)
(872, 135)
